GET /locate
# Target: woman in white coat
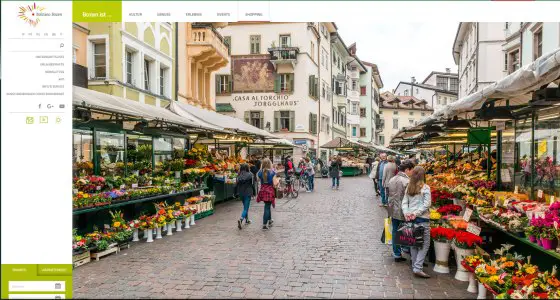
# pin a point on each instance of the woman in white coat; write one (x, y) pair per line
(373, 174)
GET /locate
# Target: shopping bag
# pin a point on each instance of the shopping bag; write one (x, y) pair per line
(387, 231)
(410, 234)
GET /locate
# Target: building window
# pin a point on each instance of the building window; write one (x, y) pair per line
(256, 118)
(284, 120)
(441, 83)
(395, 123)
(312, 51)
(411, 113)
(227, 42)
(129, 67)
(74, 55)
(146, 74)
(285, 40)
(513, 61)
(323, 91)
(363, 131)
(537, 44)
(255, 44)
(395, 112)
(223, 84)
(325, 121)
(406, 92)
(444, 100)
(162, 78)
(354, 108)
(284, 83)
(313, 86)
(354, 131)
(99, 60)
(354, 85)
(411, 121)
(423, 114)
(339, 88)
(313, 123)
(362, 112)
(362, 91)
(381, 140)
(454, 82)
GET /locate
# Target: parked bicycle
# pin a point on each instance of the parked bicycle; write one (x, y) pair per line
(288, 188)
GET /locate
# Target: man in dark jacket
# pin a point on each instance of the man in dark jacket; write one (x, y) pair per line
(244, 189)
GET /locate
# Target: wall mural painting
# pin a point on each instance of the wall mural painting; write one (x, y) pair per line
(252, 74)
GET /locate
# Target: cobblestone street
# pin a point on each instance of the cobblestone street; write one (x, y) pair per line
(324, 244)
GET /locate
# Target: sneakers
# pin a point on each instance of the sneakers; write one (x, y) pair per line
(270, 222)
(265, 227)
(239, 223)
(247, 221)
(421, 274)
(400, 259)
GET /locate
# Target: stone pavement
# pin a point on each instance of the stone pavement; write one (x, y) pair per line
(322, 245)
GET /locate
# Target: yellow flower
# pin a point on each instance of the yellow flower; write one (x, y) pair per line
(530, 270)
(117, 224)
(494, 278)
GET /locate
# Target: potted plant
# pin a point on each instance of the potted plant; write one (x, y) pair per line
(177, 166)
(465, 243)
(548, 238)
(442, 238)
(531, 233)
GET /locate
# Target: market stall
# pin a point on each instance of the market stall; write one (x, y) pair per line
(352, 154)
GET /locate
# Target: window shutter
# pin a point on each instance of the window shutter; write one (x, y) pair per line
(217, 84)
(277, 83)
(310, 130)
(291, 83)
(315, 127)
(292, 120)
(261, 113)
(230, 84)
(276, 121)
(247, 117)
(311, 82)
(316, 87)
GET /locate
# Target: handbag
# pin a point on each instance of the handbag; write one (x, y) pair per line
(410, 234)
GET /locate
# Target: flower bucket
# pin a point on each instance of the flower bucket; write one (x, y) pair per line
(192, 220)
(187, 221)
(158, 233)
(149, 236)
(178, 225)
(539, 241)
(481, 291)
(533, 239)
(472, 284)
(170, 228)
(549, 244)
(145, 236)
(460, 254)
(177, 174)
(135, 235)
(442, 257)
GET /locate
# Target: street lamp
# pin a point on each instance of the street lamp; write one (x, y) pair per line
(435, 94)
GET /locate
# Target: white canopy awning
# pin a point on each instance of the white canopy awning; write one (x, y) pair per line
(109, 103)
(527, 79)
(216, 119)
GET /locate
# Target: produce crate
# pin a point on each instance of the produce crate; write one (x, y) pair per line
(81, 259)
(110, 250)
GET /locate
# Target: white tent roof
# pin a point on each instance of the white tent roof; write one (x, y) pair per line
(90, 98)
(216, 119)
(525, 80)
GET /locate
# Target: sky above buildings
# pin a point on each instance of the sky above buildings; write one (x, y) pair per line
(402, 50)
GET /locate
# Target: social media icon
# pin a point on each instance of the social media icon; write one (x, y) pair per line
(58, 120)
(29, 120)
(43, 119)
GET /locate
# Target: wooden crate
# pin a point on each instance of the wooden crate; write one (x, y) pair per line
(81, 259)
(98, 255)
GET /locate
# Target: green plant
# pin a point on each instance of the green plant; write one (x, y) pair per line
(177, 165)
(178, 153)
(102, 245)
(145, 152)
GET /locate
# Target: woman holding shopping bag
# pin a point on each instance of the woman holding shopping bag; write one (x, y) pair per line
(267, 193)
(416, 208)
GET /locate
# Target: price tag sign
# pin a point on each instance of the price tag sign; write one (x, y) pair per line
(122, 186)
(134, 185)
(75, 191)
(201, 192)
(540, 193)
(473, 229)
(467, 214)
(106, 226)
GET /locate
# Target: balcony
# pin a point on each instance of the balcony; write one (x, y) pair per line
(207, 46)
(354, 74)
(339, 100)
(379, 125)
(283, 55)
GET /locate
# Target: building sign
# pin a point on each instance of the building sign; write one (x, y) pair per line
(272, 100)
(300, 142)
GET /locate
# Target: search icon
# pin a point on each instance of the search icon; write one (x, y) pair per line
(61, 45)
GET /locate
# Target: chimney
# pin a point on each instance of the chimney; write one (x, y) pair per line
(413, 79)
(447, 70)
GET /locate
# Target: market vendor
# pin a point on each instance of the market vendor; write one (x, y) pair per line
(216, 154)
(484, 163)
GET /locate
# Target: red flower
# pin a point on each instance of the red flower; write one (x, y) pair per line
(449, 208)
(440, 233)
(467, 239)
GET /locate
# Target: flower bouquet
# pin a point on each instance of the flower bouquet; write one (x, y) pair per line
(442, 242)
(450, 209)
(464, 243)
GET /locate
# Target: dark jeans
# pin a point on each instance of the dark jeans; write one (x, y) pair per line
(246, 202)
(267, 215)
(376, 186)
(396, 248)
(311, 179)
(335, 180)
(382, 192)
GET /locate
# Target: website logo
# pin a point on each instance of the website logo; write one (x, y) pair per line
(30, 14)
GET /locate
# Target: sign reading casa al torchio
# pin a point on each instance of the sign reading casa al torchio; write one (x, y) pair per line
(268, 100)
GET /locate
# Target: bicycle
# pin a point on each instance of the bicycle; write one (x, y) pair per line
(288, 188)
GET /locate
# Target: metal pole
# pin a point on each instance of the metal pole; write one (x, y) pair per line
(533, 154)
(499, 160)
(96, 169)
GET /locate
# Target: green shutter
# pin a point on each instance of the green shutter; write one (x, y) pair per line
(310, 123)
(291, 83)
(277, 83)
(292, 120)
(311, 83)
(230, 84)
(314, 123)
(247, 119)
(276, 121)
(218, 84)
(317, 87)
(262, 118)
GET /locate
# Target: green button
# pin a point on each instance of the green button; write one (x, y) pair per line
(54, 270)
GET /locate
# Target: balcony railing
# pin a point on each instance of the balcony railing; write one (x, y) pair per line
(204, 34)
(283, 55)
